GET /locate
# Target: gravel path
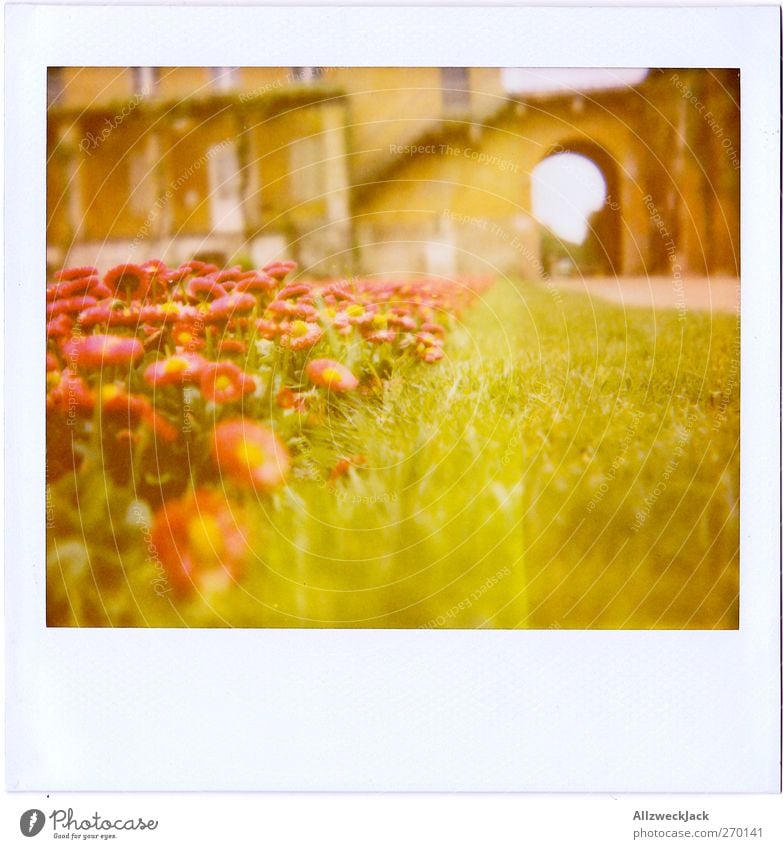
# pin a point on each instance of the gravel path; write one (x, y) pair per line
(720, 294)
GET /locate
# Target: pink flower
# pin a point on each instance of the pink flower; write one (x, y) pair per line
(431, 355)
(380, 337)
(225, 382)
(175, 370)
(268, 329)
(287, 399)
(69, 288)
(293, 290)
(432, 327)
(331, 375)
(70, 395)
(69, 306)
(229, 275)
(251, 454)
(130, 281)
(76, 272)
(199, 543)
(99, 350)
(301, 335)
(255, 282)
(59, 327)
(279, 270)
(230, 305)
(204, 289)
(131, 409)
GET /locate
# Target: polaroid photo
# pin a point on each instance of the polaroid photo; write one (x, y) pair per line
(409, 419)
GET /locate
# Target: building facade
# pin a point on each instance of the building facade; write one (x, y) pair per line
(383, 170)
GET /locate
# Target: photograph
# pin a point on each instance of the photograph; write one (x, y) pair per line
(392, 347)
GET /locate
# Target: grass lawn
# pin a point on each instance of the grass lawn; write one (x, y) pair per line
(570, 464)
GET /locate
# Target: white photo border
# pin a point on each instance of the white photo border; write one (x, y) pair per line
(579, 711)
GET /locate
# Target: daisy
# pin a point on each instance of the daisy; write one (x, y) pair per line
(331, 375)
(250, 453)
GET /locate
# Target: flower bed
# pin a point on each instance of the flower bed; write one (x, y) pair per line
(189, 395)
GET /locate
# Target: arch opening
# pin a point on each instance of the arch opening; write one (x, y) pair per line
(575, 199)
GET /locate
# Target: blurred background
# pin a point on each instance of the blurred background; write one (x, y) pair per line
(527, 172)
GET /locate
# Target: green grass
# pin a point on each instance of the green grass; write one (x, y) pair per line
(571, 464)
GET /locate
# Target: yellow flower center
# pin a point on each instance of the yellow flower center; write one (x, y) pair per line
(299, 328)
(355, 310)
(251, 453)
(331, 375)
(206, 538)
(223, 383)
(184, 337)
(175, 365)
(110, 392)
(380, 320)
(169, 307)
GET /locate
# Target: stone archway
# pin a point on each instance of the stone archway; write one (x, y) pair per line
(604, 240)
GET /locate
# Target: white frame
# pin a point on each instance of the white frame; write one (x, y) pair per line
(403, 710)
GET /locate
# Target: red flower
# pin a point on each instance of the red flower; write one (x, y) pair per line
(130, 281)
(224, 382)
(255, 282)
(99, 350)
(76, 272)
(279, 270)
(197, 267)
(117, 401)
(301, 335)
(159, 314)
(229, 305)
(280, 308)
(332, 375)
(59, 328)
(431, 355)
(204, 289)
(339, 291)
(293, 290)
(229, 275)
(100, 291)
(159, 278)
(231, 346)
(69, 288)
(250, 453)
(290, 400)
(199, 543)
(108, 312)
(429, 340)
(379, 337)
(69, 306)
(345, 463)
(178, 369)
(161, 427)
(70, 395)
(268, 329)
(132, 409)
(402, 322)
(186, 336)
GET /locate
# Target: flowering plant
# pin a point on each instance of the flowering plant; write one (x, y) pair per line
(197, 389)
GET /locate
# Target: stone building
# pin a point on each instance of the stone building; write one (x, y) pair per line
(384, 170)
